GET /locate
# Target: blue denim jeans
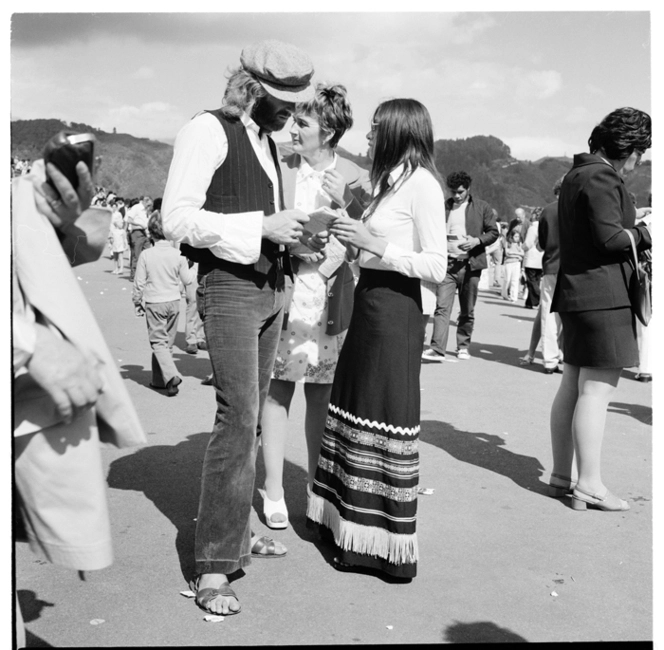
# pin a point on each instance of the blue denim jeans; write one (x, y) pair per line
(459, 276)
(242, 318)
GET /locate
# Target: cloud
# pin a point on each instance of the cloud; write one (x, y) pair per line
(144, 72)
(578, 115)
(540, 84)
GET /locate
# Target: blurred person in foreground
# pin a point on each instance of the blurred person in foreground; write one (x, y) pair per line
(365, 488)
(595, 213)
(224, 202)
(68, 396)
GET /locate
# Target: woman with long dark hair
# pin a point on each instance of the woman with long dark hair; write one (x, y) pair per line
(365, 488)
(596, 218)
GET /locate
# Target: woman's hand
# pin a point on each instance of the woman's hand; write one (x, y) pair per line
(335, 186)
(355, 233)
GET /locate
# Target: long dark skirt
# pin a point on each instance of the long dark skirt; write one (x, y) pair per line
(365, 488)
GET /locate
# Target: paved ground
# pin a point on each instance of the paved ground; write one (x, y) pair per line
(500, 561)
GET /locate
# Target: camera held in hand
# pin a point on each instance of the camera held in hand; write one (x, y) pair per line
(66, 149)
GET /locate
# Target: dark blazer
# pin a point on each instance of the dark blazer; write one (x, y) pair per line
(341, 286)
(594, 209)
(481, 223)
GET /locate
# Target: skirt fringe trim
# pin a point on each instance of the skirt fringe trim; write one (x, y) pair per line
(365, 540)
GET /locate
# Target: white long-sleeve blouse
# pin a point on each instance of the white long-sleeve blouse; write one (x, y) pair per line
(412, 221)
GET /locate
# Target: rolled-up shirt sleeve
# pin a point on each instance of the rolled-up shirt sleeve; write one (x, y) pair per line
(428, 213)
(200, 148)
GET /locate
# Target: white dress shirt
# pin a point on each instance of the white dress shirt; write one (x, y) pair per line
(137, 217)
(200, 149)
(412, 221)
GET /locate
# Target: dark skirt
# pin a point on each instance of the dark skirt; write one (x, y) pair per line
(365, 488)
(601, 338)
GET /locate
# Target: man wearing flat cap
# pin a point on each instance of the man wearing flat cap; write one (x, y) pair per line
(223, 202)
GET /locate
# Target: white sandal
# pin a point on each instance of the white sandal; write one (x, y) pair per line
(271, 508)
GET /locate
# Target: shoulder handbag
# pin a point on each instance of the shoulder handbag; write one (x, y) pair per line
(639, 288)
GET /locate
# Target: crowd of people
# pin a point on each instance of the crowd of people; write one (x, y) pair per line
(306, 269)
(20, 166)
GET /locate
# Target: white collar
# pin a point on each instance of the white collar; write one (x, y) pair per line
(305, 169)
(396, 173)
(249, 123)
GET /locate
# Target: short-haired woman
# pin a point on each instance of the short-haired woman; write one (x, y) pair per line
(314, 176)
(595, 214)
(365, 487)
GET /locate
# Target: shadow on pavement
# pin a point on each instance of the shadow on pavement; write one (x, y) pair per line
(500, 353)
(480, 632)
(34, 641)
(138, 374)
(528, 316)
(170, 477)
(31, 606)
(486, 451)
(638, 411)
(31, 609)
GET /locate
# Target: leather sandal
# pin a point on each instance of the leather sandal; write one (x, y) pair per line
(264, 547)
(609, 502)
(560, 486)
(205, 596)
(271, 508)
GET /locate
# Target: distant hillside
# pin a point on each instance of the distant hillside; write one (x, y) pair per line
(130, 166)
(133, 166)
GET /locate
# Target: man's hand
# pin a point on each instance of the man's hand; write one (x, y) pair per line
(70, 377)
(470, 242)
(284, 227)
(64, 209)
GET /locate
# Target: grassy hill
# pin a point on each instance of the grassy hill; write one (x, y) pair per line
(130, 166)
(134, 166)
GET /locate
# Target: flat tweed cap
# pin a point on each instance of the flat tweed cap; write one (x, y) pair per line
(284, 70)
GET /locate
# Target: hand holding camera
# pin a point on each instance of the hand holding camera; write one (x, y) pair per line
(64, 179)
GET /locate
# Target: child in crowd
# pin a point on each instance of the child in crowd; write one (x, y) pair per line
(117, 238)
(513, 260)
(159, 271)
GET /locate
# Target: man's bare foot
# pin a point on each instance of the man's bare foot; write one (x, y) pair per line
(224, 603)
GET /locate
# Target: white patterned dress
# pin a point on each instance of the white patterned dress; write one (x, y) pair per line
(306, 353)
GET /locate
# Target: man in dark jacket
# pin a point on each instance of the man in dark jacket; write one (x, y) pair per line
(471, 227)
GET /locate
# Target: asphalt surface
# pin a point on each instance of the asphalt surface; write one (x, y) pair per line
(499, 560)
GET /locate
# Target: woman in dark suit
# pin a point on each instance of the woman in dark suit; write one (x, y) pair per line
(591, 295)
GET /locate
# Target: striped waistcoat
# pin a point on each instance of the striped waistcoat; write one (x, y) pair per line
(240, 184)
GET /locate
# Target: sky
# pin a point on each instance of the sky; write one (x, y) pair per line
(539, 81)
